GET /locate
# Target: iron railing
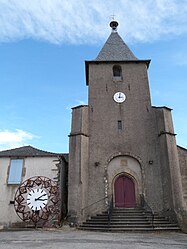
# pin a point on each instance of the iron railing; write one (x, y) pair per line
(96, 202)
(148, 209)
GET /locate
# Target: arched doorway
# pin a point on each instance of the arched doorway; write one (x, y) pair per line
(124, 190)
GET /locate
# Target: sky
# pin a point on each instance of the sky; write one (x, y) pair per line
(43, 48)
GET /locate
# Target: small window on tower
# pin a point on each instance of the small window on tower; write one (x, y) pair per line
(117, 73)
(119, 125)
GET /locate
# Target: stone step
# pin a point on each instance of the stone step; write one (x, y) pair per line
(122, 224)
(117, 226)
(120, 219)
(163, 223)
(125, 215)
(128, 220)
(116, 222)
(134, 229)
(108, 229)
(126, 212)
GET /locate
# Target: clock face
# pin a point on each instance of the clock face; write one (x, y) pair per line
(119, 97)
(37, 199)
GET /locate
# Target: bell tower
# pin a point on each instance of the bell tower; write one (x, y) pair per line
(120, 114)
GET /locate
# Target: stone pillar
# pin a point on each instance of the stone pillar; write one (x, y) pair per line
(171, 176)
(78, 165)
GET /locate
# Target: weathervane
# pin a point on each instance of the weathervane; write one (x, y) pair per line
(113, 17)
(113, 24)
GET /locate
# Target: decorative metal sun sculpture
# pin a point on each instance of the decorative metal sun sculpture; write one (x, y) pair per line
(37, 200)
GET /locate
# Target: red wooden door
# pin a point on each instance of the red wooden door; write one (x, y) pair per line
(124, 192)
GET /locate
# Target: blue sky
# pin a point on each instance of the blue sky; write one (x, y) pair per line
(43, 46)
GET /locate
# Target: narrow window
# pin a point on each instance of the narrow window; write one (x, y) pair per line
(117, 71)
(119, 125)
(15, 171)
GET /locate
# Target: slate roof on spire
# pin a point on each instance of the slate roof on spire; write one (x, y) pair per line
(115, 49)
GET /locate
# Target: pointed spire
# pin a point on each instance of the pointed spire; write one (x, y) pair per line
(115, 48)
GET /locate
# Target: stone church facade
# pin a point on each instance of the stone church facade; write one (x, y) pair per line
(122, 149)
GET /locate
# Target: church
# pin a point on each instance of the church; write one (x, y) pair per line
(124, 169)
(123, 153)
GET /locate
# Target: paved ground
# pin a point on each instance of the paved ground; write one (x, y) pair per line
(72, 239)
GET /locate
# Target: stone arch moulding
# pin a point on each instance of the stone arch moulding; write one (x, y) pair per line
(129, 165)
(117, 154)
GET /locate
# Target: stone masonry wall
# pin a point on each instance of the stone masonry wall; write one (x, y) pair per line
(182, 152)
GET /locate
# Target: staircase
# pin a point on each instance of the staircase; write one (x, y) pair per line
(129, 219)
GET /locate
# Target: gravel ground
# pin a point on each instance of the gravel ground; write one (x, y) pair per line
(66, 238)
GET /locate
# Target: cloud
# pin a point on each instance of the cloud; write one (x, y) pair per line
(82, 102)
(85, 21)
(76, 103)
(13, 139)
(179, 58)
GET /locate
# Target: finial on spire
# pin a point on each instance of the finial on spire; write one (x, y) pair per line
(113, 25)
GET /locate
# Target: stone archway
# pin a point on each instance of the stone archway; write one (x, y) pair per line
(127, 166)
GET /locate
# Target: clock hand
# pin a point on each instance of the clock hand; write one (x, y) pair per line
(41, 195)
(41, 199)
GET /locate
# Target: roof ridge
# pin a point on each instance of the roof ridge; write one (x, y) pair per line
(26, 146)
(15, 148)
(27, 150)
(183, 148)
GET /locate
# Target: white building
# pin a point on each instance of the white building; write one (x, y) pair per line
(19, 164)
